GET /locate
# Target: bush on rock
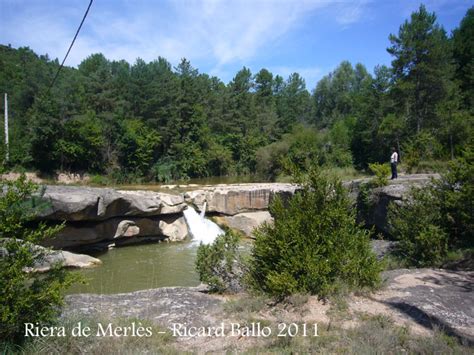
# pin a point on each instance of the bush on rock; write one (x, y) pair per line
(315, 244)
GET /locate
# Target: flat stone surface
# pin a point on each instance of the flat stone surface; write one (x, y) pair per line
(246, 222)
(423, 299)
(238, 198)
(435, 298)
(78, 203)
(163, 306)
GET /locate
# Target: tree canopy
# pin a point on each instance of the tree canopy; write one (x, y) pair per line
(158, 122)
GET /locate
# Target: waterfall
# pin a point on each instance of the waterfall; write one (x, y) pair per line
(201, 229)
(203, 211)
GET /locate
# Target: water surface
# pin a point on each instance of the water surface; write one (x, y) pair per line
(139, 267)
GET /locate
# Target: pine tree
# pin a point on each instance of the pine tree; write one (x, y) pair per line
(422, 68)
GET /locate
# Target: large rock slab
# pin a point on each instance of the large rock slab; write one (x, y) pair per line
(164, 306)
(120, 232)
(77, 203)
(238, 198)
(424, 300)
(429, 299)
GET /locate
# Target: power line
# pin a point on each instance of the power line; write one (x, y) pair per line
(70, 47)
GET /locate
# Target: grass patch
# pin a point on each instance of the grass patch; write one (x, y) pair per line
(245, 305)
(374, 335)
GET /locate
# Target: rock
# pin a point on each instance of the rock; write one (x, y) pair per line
(94, 214)
(238, 198)
(33, 177)
(114, 230)
(126, 229)
(45, 258)
(69, 260)
(382, 247)
(395, 192)
(165, 306)
(425, 298)
(72, 178)
(174, 230)
(74, 203)
(246, 222)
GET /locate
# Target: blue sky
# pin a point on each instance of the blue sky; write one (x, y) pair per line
(310, 37)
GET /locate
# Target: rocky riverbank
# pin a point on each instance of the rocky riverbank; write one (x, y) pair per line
(101, 217)
(422, 301)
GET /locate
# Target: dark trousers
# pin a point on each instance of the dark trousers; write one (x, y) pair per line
(394, 170)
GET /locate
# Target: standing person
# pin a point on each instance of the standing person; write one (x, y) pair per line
(393, 163)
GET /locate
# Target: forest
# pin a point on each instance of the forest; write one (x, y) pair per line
(155, 122)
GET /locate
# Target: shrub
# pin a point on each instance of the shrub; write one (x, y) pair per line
(438, 217)
(422, 147)
(381, 172)
(25, 297)
(455, 191)
(416, 224)
(219, 264)
(314, 245)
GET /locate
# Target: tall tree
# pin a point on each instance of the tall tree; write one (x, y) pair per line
(463, 51)
(422, 68)
(294, 104)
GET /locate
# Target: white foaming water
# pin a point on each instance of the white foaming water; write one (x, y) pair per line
(201, 229)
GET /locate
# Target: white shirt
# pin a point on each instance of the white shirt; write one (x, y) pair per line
(394, 158)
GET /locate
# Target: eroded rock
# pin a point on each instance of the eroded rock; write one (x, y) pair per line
(74, 203)
(246, 222)
(238, 198)
(68, 259)
(121, 232)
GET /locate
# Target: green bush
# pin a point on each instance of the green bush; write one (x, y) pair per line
(416, 224)
(219, 264)
(25, 296)
(422, 147)
(381, 172)
(455, 191)
(314, 245)
(438, 217)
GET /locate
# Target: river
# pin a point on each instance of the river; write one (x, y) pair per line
(139, 267)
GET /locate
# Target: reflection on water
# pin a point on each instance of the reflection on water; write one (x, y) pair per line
(141, 267)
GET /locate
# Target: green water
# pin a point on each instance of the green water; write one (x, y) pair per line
(140, 267)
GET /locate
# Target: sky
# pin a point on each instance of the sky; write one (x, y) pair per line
(219, 37)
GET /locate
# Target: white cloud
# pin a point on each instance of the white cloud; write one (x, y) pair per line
(218, 32)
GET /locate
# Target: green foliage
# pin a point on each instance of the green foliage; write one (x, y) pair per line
(381, 172)
(416, 224)
(314, 245)
(81, 144)
(26, 296)
(437, 218)
(305, 147)
(150, 121)
(219, 264)
(422, 68)
(455, 192)
(421, 147)
(138, 146)
(463, 53)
